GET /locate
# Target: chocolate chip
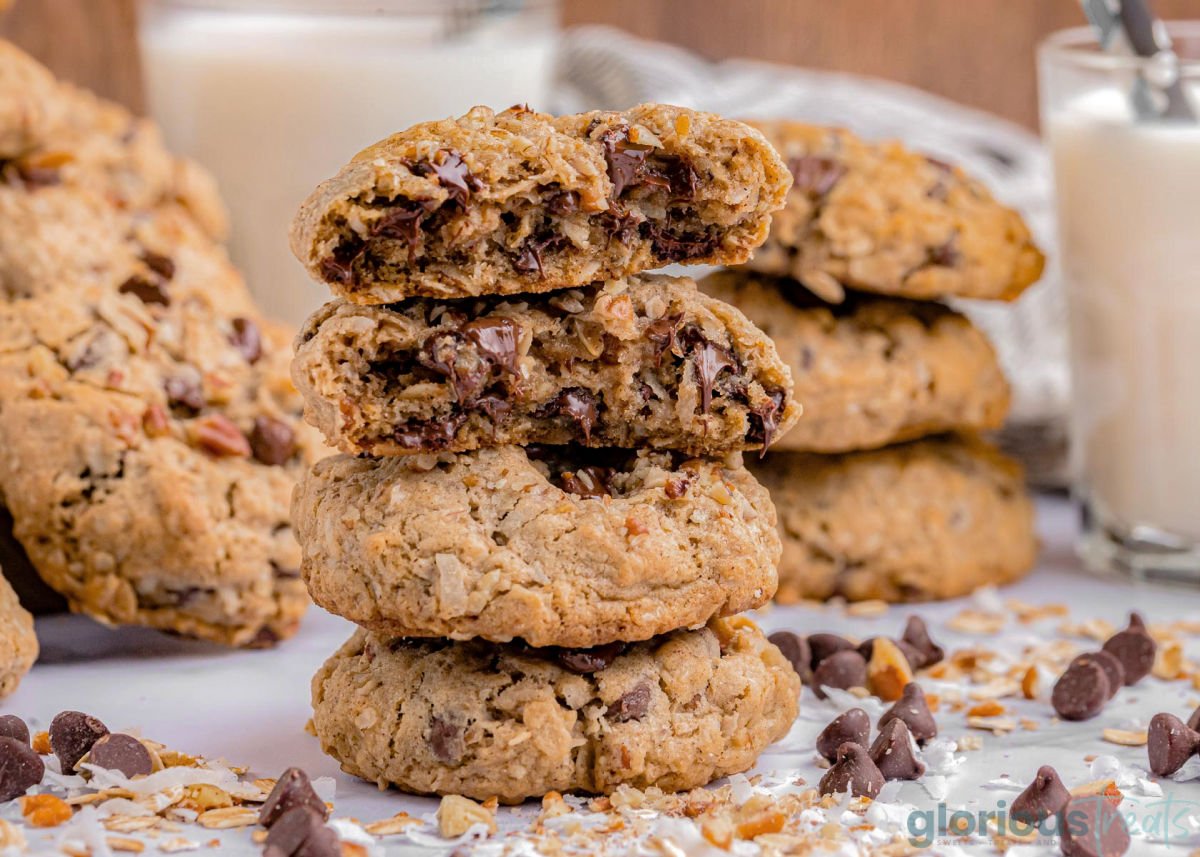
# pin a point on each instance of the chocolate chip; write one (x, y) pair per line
(30, 175)
(451, 172)
(146, 291)
(1081, 691)
(530, 254)
(563, 203)
(676, 246)
(814, 175)
(163, 266)
(1046, 796)
(402, 222)
(217, 435)
(430, 434)
(72, 734)
(709, 361)
(853, 772)
(1111, 666)
(945, 255)
(446, 740)
(12, 726)
(632, 705)
(764, 418)
(20, 768)
(1170, 743)
(299, 832)
(580, 405)
(1134, 648)
(185, 393)
(842, 670)
(852, 726)
(916, 634)
(1093, 827)
(293, 790)
(823, 645)
(913, 709)
(272, 441)
(124, 753)
(1137, 622)
(589, 481)
(585, 661)
(894, 753)
(496, 339)
(796, 649)
(626, 161)
(246, 338)
(1194, 721)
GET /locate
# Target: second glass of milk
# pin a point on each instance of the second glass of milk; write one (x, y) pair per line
(1128, 191)
(274, 96)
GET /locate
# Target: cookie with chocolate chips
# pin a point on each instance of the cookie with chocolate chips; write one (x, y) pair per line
(642, 361)
(523, 202)
(482, 720)
(18, 643)
(933, 518)
(556, 545)
(871, 371)
(881, 218)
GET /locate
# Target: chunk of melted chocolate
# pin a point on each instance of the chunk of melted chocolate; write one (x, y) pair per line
(709, 360)
(585, 661)
(815, 175)
(581, 406)
(588, 481)
(764, 418)
(451, 172)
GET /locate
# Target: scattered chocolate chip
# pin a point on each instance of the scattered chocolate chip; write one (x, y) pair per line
(299, 832)
(632, 705)
(913, 709)
(842, 670)
(585, 661)
(853, 772)
(589, 481)
(272, 441)
(146, 291)
(1193, 722)
(823, 645)
(915, 658)
(1093, 827)
(292, 790)
(709, 361)
(1134, 648)
(246, 338)
(795, 648)
(446, 740)
(1170, 743)
(852, 726)
(124, 753)
(72, 734)
(916, 634)
(814, 175)
(12, 726)
(451, 172)
(622, 226)
(1111, 666)
(216, 434)
(20, 768)
(1046, 796)
(184, 393)
(894, 753)
(1081, 691)
(530, 254)
(580, 405)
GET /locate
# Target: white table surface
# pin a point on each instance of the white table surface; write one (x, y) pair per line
(251, 707)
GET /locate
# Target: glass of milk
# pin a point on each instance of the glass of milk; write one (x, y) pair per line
(273, 96)
(1128, 191)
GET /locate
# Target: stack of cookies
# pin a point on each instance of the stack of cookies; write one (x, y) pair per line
(541, 513)
(884, 489)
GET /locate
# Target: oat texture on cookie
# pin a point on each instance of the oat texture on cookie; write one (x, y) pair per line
(541, 518)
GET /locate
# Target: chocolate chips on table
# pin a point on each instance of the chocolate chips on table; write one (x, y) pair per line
(1111, 666)
(853, 772)
(852, 726)
(894, 754)
(1134, 648)
(124, 753)
(916, 636)
(1081, 691)
(293, 790)
(20, 768)
(300, 832)
(12, 726)
(842, 670)
(1093, 679)
(1170, 743)
(1046, 796)
(72, 735)
(1093, 827)
(797, 650)
(913, 709)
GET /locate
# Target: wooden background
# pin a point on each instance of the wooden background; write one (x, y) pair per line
(978, 52)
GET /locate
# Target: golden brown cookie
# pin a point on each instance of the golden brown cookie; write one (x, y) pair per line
(18, 644)
(882, 218)
(936, 518)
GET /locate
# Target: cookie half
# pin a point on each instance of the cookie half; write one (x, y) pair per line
(560, 546)
(882, 218)
(936, 518)
(870, 371)
(483, 720)
(641, 361)
(520, 202)
(18, 643)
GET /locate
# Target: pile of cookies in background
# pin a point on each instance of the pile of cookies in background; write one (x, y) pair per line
(884, 488)
(149, 434)
(541, 516)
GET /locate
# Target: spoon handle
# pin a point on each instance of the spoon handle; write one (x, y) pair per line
(1148, 37)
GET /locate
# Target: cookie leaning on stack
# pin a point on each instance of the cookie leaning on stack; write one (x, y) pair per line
(846, 285)
(541, 561)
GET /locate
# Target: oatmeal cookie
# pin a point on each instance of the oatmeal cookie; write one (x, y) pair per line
(18, 644)
(558, 546)
(642, 361)
(881, 218)
(936, 518)
(483, 719)
(519, 202)
(871, 371)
